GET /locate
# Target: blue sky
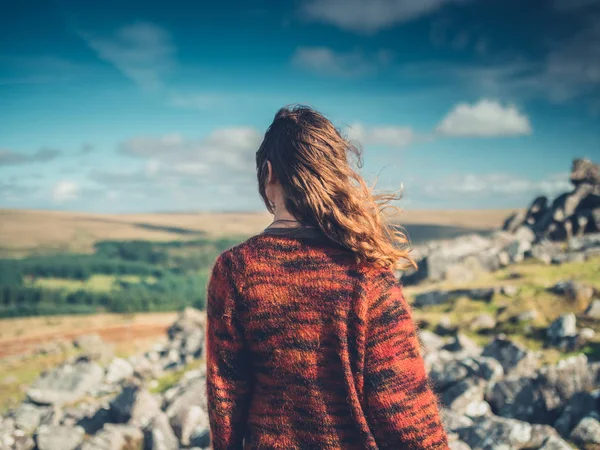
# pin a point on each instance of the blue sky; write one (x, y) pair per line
(159, 106)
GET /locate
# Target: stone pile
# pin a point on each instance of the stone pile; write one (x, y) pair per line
(98, 402)
(573, 213)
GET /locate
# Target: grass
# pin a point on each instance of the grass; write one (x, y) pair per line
(533, 280)
(170, 379)
(96, 283)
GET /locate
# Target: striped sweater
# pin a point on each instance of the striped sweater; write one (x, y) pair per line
(307, 349)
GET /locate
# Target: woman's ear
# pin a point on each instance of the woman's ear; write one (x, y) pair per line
(270, 174)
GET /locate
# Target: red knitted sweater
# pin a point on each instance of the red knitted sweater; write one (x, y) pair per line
(307, 349)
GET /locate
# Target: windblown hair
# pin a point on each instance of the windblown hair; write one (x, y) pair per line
(313, 162)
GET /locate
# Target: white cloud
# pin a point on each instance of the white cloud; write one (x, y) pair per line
(368, 16)
(65, 191)
(142, 51)
(389, 136)
(501, 184)
(485, 118)
(325, 61)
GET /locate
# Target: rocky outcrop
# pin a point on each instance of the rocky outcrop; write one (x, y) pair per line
(570, 214)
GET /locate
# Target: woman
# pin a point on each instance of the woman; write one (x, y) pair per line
(310, 342)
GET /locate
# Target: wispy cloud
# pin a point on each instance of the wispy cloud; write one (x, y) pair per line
(387, 136)
(485, 118)
(11, 158)
(142, 51)
(369, 16)
(326, 61)
(489, 184)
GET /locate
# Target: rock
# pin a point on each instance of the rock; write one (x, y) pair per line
(431, 298)
(585, 171)
(570, 257)
(486, 368)
(445, 327)
(562, 327)
(466, 397)
(118, 370)
(539, 434)
(586, 433)
(525, 316)
(497, 433)
(59, 437)
(189, 321)
(574, 291)
(447, 374)
(188, 410)
(579, 405)
(514, 221)
(483, 322)
(463, 345)
(94, 348)
(453, 421)
(66, 384)
(514, 358)
(134, 406)
(540, 397)
(430, 342)
(509, 290)
(28, 417)
(555, 443)
(200, 437)
(115, 437)
(192, 344)
(160, 436)
(593, 309)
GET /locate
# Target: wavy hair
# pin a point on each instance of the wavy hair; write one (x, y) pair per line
(313, 162)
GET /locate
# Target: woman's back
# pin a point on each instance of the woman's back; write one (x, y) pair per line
(308, 349)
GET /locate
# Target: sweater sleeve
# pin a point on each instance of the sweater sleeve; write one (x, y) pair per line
(228, 387)
(402, 409)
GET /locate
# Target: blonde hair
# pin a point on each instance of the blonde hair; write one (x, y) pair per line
(312, 161)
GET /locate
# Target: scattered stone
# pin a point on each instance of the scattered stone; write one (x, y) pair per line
(188, 410)
(66, 384)
(466, 397)
(483, 322)
(555, 443)
(578, 406)
(586, 433)
(94, 348)
(445, 327)
(115, 437)
(59, 437)
(563, 327)
(134, 406)
(453, 421)
(509, 290)
(430, 342)
(118, 370)
(514, 358)
(431, 298)
(574, 291)
(525, 316)
(28, 417)
(160, 436)
(495, 433)
(593, 309)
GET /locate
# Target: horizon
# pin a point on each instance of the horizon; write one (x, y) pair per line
(153, 108)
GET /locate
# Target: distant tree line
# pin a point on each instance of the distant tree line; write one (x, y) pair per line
(178, 271)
